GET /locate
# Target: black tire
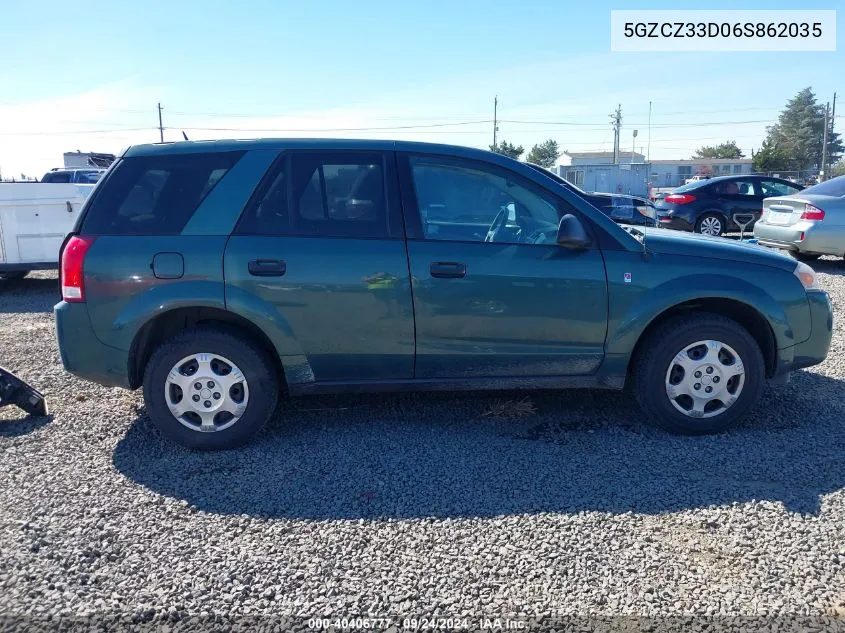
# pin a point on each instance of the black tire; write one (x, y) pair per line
(710, 216)
(258, 370)
(655, 359)
(14, 274)
(805, 257)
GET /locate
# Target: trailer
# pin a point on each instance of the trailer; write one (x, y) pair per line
(34, 220)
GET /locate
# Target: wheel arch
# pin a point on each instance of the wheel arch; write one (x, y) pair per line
(169, 323)
(754, 322)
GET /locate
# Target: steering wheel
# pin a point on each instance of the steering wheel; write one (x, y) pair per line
(497, 224)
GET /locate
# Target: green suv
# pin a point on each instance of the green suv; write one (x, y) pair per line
(222, 275)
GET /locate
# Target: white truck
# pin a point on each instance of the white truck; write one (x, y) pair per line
(35, 217)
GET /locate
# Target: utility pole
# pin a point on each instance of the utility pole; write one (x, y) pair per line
(824, 142)
(616, 117)
(160, 126)
(832, 117)
(495, 120)
(648, 155)
(633, 146)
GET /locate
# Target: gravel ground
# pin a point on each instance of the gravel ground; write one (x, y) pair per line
(417, 505)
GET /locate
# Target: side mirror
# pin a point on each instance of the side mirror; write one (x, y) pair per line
(571, 233)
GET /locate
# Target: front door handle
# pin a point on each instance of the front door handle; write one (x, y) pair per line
(448, 270)
(267, 267)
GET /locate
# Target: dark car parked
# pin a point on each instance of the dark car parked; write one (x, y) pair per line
(708, 206)
(622, 208)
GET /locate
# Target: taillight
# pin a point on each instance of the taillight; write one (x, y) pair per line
(73, 279)
(812, 213)
(679, 198)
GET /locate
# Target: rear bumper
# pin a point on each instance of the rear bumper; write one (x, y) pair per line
(815, 349)
(673, 222)
(82, 353)
(803, 237)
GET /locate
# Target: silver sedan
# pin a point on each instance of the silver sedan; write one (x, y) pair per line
(808, 224)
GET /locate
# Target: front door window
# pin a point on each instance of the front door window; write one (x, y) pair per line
(460, 203)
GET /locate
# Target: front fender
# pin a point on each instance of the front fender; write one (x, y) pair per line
(657, 283)
(635, 319)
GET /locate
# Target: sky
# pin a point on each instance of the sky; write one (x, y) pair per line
(89, 76)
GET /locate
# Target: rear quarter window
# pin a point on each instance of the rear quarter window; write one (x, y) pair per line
(155, 195)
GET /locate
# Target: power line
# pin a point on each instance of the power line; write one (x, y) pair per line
(339, 129)
(435, 118)
(663, 125)
(42, 133)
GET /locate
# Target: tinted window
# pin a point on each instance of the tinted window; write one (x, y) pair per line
(88, 177)
(328, 195)
(466, 203)
(833, 187)
(57, 176)
(155, 195)
(733, 188)
(775, 188)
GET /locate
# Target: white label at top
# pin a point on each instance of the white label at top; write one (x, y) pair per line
(722, 30)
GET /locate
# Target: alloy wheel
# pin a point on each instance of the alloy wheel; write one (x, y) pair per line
(711, 226)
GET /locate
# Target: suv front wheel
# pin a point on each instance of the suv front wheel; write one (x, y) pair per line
(208, 389)
(699, 374)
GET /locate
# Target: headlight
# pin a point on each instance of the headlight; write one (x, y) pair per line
(807, 276)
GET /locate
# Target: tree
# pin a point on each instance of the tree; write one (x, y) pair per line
(508, 149)
(544, 154)
(799, 133)
(771, 157)
(838, 169)
(728, 149)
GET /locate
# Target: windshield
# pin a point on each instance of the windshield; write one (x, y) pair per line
(834, 187)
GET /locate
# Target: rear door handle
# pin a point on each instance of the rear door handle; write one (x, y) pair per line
(448, 270)
(267, 267)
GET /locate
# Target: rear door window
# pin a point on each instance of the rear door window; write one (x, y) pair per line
(155, 195)
(337, 194)
(734, 188)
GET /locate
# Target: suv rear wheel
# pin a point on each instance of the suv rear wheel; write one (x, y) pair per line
(208, 389)
(699, 374)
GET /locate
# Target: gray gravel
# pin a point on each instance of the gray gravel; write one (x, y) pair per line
(417, 505)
